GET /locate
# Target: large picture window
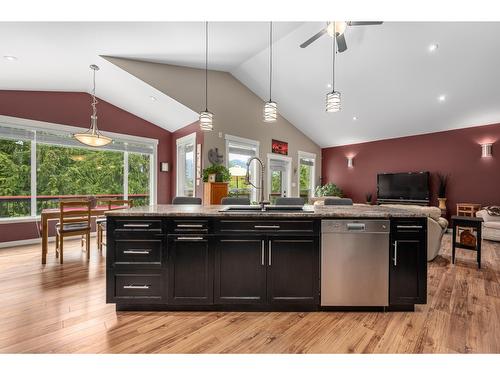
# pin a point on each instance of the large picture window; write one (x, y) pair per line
(40, 165)
(238, 152)
(307, 165)
(186, 166)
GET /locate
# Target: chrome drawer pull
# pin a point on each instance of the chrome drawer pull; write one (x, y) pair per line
(136, 286)
(266, 226)
(190, 238)
(409, 226)
(137, 251)
(395, 260)
(136, 225)
(270, 251)
(189, 225)
(262, 252)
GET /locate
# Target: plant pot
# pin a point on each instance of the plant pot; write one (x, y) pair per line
(442, 203)
(211, 177)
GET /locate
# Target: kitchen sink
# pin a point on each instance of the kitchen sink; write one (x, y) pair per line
(267, 208)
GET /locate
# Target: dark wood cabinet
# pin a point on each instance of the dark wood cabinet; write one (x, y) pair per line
(293, 270)
(190, 270)
(408, 262)
(240, 270)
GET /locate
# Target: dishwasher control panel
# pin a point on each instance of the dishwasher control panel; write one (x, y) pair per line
(348, 225)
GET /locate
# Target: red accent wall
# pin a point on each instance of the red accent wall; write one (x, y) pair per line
(73, 108)
(456, 152)
(189, 129)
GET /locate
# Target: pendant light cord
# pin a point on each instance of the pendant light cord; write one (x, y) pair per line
(206, 66)
(333, 56)
(270, 59)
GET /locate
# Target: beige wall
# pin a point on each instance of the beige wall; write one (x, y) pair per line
(237, 110)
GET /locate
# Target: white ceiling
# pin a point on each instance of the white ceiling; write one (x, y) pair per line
(387, 77)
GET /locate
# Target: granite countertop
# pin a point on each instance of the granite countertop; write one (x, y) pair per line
(355, 211)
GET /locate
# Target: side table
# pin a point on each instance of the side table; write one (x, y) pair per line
(471, 223)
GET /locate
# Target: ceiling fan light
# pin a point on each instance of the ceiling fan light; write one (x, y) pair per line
(270, 112)
(333, 101)
(339, 27)
(206, 121)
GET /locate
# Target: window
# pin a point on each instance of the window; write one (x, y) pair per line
(307, 165)
(186, 165)
(41, 163)
(239, 151)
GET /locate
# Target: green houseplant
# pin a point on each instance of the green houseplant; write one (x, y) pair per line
(221, 173)
(328, 190)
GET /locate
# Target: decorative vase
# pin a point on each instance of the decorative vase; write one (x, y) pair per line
(442, 203)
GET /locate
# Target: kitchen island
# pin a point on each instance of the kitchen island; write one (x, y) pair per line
(175, 257)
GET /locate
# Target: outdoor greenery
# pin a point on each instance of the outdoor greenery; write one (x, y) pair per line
(305, 178)
(65, 171)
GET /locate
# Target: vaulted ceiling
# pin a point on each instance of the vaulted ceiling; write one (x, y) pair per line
(389, 80)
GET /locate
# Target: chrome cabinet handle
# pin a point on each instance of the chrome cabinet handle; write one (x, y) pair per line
(131, 286)
(409, 226)
(189, 225)
(270, 251)
(395, 259)
(136, 225)
(136, 251)
(262, 252)
(266, 226)
(355, 226)
(189, 238)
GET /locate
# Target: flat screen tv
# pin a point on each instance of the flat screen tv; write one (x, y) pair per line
(412, 186)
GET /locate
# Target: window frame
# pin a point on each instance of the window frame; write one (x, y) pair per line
(180, 142)
(312, 183)
(246, 142)
(37, 126)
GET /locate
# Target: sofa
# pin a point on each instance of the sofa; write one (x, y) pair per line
(491, 226)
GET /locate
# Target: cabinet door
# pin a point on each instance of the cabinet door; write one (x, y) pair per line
(240, 270)
(408, 267)
(293, 270)
(190, 274)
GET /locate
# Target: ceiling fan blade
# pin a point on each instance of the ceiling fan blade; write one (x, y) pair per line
(341, 43)
(364, 23)
(313, 38)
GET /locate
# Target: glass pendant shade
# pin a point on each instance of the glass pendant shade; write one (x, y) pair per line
(206, 121)
(333, 101)
(270, 112)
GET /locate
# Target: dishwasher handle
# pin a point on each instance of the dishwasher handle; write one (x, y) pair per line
(356, 226)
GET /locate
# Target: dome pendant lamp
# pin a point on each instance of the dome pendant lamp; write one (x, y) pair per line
(333, 98)
(270, 108)
(93, 136)
(206, 117)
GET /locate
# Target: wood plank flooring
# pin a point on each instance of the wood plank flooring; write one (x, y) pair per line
(61, 309)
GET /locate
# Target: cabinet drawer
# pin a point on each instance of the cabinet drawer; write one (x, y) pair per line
(138, 251)
(267, 226)
(138, 286)
(409, 226)
(190, 225)
(137, 225)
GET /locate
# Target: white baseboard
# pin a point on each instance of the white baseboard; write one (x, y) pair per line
(31, 241)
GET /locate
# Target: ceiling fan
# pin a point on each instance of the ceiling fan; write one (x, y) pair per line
(337, 29)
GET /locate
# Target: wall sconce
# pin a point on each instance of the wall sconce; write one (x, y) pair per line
(164, 167)
(349, 161)
(486, 150)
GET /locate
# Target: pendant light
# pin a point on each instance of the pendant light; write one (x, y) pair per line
(333, 98)
(270, 108)
(93, 136)
(206, 117)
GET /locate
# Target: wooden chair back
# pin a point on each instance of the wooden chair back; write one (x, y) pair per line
(76, 211)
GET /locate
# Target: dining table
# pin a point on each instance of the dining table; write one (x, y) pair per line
(48, 214)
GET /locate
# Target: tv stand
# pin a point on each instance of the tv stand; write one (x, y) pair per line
(424, 202)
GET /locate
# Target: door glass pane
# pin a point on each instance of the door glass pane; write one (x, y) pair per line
(306, 183)
(64, 172)
(138, 178)
(15, 178)
(238, 187)
(189, 170)
(276, 185)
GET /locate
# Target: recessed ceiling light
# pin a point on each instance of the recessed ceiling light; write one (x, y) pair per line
(10, 58)
(433, 47)
(442, 98)
(153, 98)
(354, 118)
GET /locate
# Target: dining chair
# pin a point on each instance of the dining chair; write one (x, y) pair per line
(74, 220)
(289, 201)
(114, 204)
(186, 200)
(236, 201)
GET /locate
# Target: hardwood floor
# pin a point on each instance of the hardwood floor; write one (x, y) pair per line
(61, 309)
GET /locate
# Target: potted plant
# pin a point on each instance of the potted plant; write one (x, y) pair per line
(368, 197)
(328, 190)
(442, 186)
(221, 173)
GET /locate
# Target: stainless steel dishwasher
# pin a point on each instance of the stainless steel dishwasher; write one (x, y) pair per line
(355, 262)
